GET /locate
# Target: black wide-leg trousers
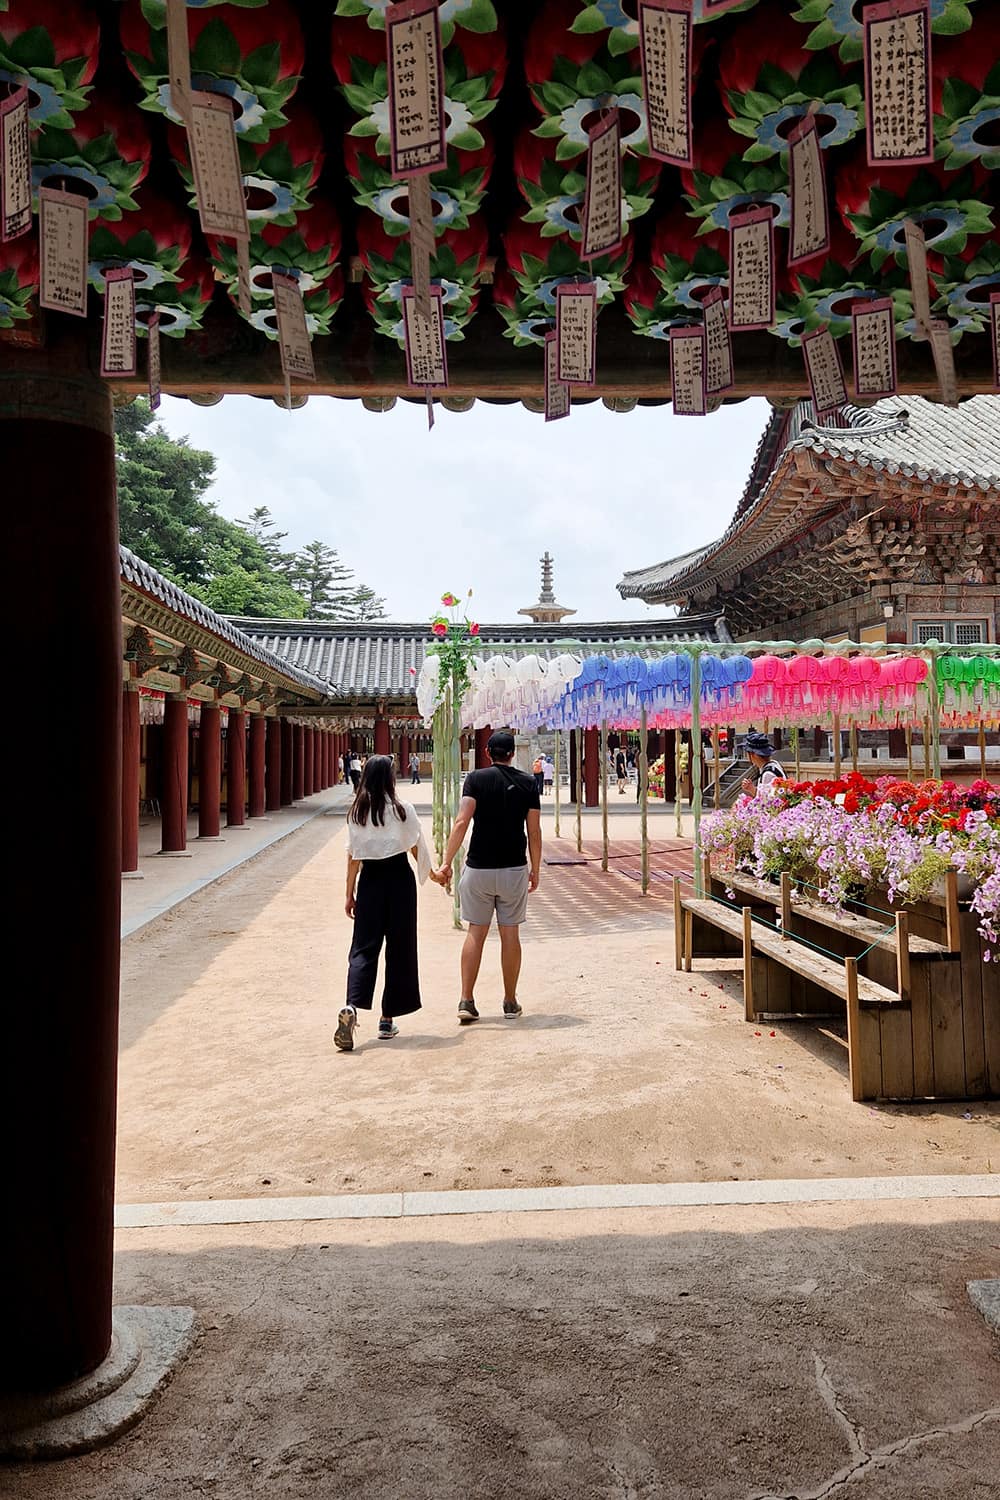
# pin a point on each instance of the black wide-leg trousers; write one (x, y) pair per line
(385, 912)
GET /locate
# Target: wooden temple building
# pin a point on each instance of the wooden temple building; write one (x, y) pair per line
(522, 82)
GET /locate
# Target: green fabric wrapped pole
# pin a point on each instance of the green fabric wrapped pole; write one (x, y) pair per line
(604, 792)
(555, 776)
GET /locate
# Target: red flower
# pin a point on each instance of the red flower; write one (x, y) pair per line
(439, 629)
(473, 628)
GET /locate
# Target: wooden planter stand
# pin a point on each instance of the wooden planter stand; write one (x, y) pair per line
(922, 1005)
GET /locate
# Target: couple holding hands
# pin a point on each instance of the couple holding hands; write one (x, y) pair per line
(502, 806)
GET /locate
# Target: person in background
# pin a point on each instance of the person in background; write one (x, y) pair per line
(503, 808)
(764, 769)
(621, 770)
(382, 833)
(414, 769)
(355, 767)
(538, 771)
(548, 773)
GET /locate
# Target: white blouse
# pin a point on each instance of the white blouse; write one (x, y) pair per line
(394, 836)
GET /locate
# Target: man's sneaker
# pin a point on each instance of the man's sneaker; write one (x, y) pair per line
(467, 1012)
(343, 1037)
(511, 1009)
(387, 1029)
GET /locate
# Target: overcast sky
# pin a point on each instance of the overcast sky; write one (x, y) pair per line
(475, 503)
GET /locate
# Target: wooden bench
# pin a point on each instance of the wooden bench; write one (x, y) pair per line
(940, 1036)
(782, 977)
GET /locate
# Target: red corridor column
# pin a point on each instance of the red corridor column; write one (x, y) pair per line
(309, 762)
(382, 745)
(57, 1105)
(324, 748)
(404, 756)
(131, 756)
(272, 766)
(236, 768)
(591, 767)
(173, 803)
(287, 763)
(482, 740)
(299, 764)
(258, 736)
(209, 771)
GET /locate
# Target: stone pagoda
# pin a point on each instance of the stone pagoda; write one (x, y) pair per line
(546, 611)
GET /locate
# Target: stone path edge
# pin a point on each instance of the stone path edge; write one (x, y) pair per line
(533, 1200)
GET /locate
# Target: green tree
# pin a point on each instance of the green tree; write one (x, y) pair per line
(324, 582)
(260, 525)
(162, 514)
(367, 605)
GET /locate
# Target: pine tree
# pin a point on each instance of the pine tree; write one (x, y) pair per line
(162, 514)
(325, 583)
(260, 525)
(367, 605)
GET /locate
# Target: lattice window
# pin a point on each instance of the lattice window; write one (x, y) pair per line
(953, 632)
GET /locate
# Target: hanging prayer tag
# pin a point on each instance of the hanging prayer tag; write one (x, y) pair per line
(916, 257)
(718, 344)
(430, 410)
(995, 331)
(873, 329)
(244, 297)
(687, 371)
(576, 332)
(665, 44)
(825, 372)
(215, 160)
(426, 355)
(15, 166)
(118, 353)
(557, 398)
(416, 91)
(63, 232)
(944, 360)
(179, 58)
(897, 80)
(602, 206)
(153, 360)
(421, 240)
(293, 332)
(810, 217)
(751, 269)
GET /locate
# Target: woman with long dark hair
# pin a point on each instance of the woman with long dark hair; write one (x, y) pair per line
(382, 832)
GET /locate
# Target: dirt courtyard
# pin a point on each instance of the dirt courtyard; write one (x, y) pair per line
(620, 1071)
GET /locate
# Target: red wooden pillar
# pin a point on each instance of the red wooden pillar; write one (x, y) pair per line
(326, 740)
(309, 761)
(299, 772)
(574, 769)
(209, 771)
(382, 746)
(591, 767)
(173, 803)
(404, 755)
(287, 763)
(131, 756)
(57, 1104)
(482, 740)
(236, 769)
(258, 736)
(273, 766)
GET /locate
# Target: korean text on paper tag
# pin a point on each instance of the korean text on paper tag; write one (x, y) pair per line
(153, 359)
(825, 371)
(897, 79)
(416, 89)
(426, 355)
(665, 31)
(602, 205)
(873, 328)
(557, 398)
(718, 344)
(293, 332)
(118, 341)
(179, 58)
(687, 371)
(215, 161)
(576, 332)
(15, 166)
(751, 268)
(810, 230)
(63, 231)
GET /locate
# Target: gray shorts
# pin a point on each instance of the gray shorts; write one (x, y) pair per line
(503, 892)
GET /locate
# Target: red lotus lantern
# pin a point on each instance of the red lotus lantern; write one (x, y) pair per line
(18, 280)
(278, 174)
(103, 157)
(965, 80)
(456, 191)
(253, 57)
(52, 48)
(310, 247)
(948, 206)
(555, 190)
(718, 162)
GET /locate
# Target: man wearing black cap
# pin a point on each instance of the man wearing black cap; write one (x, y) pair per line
(764, 769)
(505, 852)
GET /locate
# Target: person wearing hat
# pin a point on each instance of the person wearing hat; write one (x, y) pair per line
(764, 769)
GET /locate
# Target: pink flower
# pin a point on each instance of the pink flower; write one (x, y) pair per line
(448, 600)
(473, 628)
(440, 630)
(413, 671)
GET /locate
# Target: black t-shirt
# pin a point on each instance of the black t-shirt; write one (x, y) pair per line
(504, 797)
